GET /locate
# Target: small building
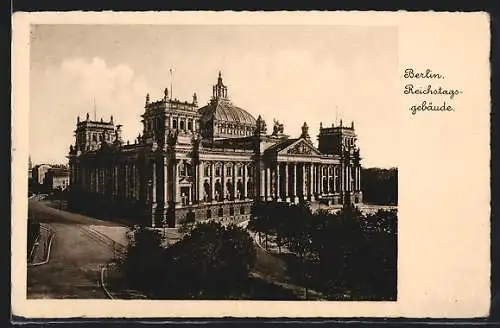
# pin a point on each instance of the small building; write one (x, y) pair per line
(57, 178)
(38, 173)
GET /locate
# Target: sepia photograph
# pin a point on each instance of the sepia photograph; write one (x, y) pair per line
(250, 165)
(212, 162)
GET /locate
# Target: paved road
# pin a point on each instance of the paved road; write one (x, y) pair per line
(73, 270)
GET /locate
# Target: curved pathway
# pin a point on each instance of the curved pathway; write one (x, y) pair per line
(76, 258)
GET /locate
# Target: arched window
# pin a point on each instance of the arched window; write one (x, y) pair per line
(174, 123)
(229, 171)
(181, 125)
(190, 125)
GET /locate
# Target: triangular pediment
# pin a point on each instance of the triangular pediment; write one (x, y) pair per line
(184, 181)
(300, 147)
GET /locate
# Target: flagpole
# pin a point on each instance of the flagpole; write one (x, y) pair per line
(336, 115)
(171, 85)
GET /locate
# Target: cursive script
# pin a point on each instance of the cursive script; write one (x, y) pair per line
(430, 92)
(427, 74)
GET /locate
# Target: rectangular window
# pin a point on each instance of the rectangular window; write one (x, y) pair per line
(182, 170)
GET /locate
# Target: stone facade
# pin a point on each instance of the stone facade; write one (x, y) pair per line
(210, 162)
(56, 178)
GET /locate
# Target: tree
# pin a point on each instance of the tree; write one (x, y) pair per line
(381, 250)
(255, 222)
(212, 261)
(380, 186)
(357, 254)
(142, 264)
(187, 223)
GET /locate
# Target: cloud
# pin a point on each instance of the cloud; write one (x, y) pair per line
(285, 73)
(62, 92)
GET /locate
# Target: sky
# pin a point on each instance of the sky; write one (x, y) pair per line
(294, 74)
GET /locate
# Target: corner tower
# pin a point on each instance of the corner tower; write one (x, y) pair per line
(333, 140)
(89, 134)
(169, 115)
(341, 141)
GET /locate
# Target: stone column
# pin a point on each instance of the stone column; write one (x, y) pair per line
(354, 174)
(200, 180)
(278, 182)
(175, 181)
(97, 179)
(335, 178)
(212, 181)
(262, 182)
(342, 178)
(134, 178)
(287, 188)
(351, 178)
(295, 197)
(153, 194)
(359, 178)
(318, 180)
(127, 181)
(100, 171)
(348, 184)
(311, 182)
(304, 182)
(355, 178)
(268, 183)
(347, 177)
(235, 181)
(245, 181)
(166, 180)
(327, 191)
(223, 182)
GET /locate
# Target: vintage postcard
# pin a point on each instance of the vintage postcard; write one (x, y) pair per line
(237, 164)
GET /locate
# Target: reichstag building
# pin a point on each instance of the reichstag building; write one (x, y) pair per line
(207, 162)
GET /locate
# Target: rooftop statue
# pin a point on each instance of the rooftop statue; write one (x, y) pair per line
(278, 128)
